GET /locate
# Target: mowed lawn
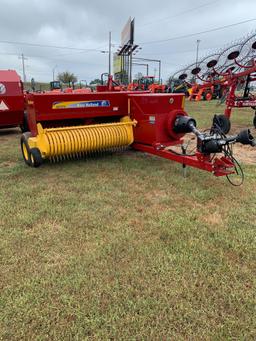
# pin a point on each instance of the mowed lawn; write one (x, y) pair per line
(124, 248)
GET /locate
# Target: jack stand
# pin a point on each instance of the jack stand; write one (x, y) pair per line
(184, 167)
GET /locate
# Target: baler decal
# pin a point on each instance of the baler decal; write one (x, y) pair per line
(3, 106)
(80, 104)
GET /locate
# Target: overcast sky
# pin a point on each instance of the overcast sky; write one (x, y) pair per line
(84, 24)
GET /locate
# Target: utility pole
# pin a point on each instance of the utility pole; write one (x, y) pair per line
(23, 58)
(109, 55)
(130, 69)
(159, 72)
(197, 50)
(53, 72)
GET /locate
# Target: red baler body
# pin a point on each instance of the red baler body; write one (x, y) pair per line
(11, 99)
(155, 114)
(85, 108)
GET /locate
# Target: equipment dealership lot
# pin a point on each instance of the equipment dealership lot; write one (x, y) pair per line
(123, 247)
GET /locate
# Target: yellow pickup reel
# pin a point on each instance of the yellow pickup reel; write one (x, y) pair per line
(75, 141)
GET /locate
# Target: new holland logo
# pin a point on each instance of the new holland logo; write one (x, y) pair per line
(3, 106)
(80, 104)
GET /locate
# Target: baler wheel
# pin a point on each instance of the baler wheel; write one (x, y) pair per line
(36, 157)
(25, 148)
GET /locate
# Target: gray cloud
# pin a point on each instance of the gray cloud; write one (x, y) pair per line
(85, 24)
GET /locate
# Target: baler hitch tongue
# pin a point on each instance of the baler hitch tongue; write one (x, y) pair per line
(75, 141)
(216, 142)
(228, 163)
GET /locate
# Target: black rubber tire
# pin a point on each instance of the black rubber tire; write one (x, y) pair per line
(223, 122)
(25, 148)
(254, 121)
(36, 157)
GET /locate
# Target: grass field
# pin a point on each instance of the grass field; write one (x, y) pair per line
(124, 248)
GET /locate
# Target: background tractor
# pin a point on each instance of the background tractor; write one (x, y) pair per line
(147, 83)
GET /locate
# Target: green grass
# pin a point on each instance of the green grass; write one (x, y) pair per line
(124, 248)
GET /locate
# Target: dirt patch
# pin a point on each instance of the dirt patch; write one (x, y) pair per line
(214, 219)
(245, 154)
(236, 128)
(8, 164)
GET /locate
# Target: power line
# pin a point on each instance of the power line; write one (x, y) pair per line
(176, 52)
(102, 47)
(47, 46)
(179, 14)
(51, 58)
(195, 34)
(55, 58)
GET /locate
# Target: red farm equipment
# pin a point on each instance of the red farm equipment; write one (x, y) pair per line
(245, 100)
(67, 125)
(206, 91)
(235, 79)
(56, 87)
(147, 83)
(11, 99)
(109, 84)
(229, 71)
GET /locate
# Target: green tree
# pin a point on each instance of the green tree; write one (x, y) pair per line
(95, 81)
(67, 77)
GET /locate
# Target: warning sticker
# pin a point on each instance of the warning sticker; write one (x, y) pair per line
(3, 106)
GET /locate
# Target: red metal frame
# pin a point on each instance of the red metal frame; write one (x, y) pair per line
(217, 166)
(231, 81)
(232, 101)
